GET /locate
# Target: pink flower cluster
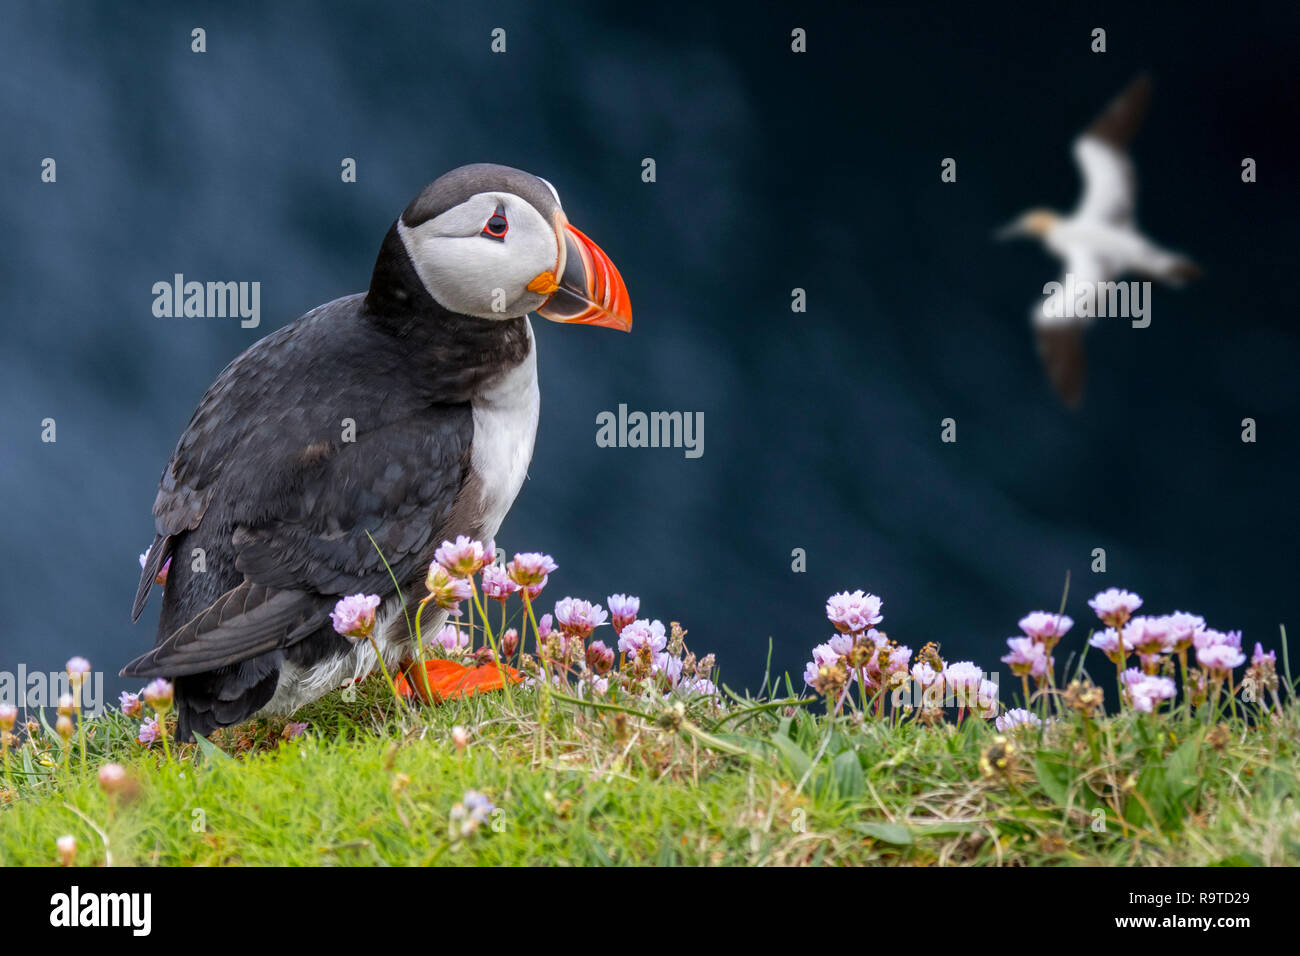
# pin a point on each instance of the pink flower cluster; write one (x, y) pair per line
(158, 694)
(1146, 690)
(1155, 638)
(650, 653)
(1031, 655)
(653, 657)
(861, 655)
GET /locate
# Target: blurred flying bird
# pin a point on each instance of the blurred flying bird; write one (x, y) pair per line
(1099, 241)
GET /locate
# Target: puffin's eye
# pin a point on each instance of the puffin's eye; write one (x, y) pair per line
(497, 226)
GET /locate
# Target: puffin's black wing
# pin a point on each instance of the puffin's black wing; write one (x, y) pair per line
(244, 622)
(227, 421)
(398, 483)
(290, 504)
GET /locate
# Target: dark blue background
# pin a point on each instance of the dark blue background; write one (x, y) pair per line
(775, 170)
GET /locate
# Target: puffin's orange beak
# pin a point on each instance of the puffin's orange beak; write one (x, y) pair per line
(589, 290)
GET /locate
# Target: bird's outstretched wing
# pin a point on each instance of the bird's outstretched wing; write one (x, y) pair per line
(1101, 152)
(1060, 337)
(1064, 358)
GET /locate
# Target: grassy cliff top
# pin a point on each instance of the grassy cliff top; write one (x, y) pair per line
(544, 779)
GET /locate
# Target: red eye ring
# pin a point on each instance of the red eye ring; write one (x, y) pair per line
(497, 226)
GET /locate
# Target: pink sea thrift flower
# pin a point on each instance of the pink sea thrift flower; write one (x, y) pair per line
(925, 675)
(148, 731)
(642, 633)
(824, 655)
(530, 570)
(1147, 635)
(1220, 659)
(1027, 657)
(963, 676)
(130, 704)
(667, 667)
(623, 609)
(451, 639)
(855, 612)
(1208, 637)
(112, 778)
(986, 704)
(1182, 629)
(600, 658)
(579, 618)
(354, 617)
(446, 589)
(699, 685)
(1114, 606)
(1046, 628)
(294, 730)
(1150, 662)
(158, 695)
(78, 668)
(840, 644)
(702, 686)
(899, 658)
(1150, 690)
(497, 584)
(464, 556)
(1108, 642)
(1259, 657)
(510, 642)
(67, 847)
(930, 681)
(1016, 719)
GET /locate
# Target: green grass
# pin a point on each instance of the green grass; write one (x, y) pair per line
(755, 784)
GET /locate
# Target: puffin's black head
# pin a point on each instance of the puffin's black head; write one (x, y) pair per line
(493, 243)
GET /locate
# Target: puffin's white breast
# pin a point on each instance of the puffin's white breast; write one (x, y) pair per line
(505, 427)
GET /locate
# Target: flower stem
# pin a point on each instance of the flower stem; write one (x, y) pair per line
(422, 672)
(397, 698)
(161, 723)
(487, 630)
(81, 726)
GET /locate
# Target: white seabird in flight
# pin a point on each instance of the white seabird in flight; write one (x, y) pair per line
(1099, 241)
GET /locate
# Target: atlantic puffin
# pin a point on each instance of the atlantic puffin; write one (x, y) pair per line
(405, 414)
(1099, 241)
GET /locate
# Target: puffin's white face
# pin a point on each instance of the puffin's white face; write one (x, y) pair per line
(487, 256)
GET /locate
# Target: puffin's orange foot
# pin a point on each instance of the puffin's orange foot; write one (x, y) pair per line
(447, 680)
